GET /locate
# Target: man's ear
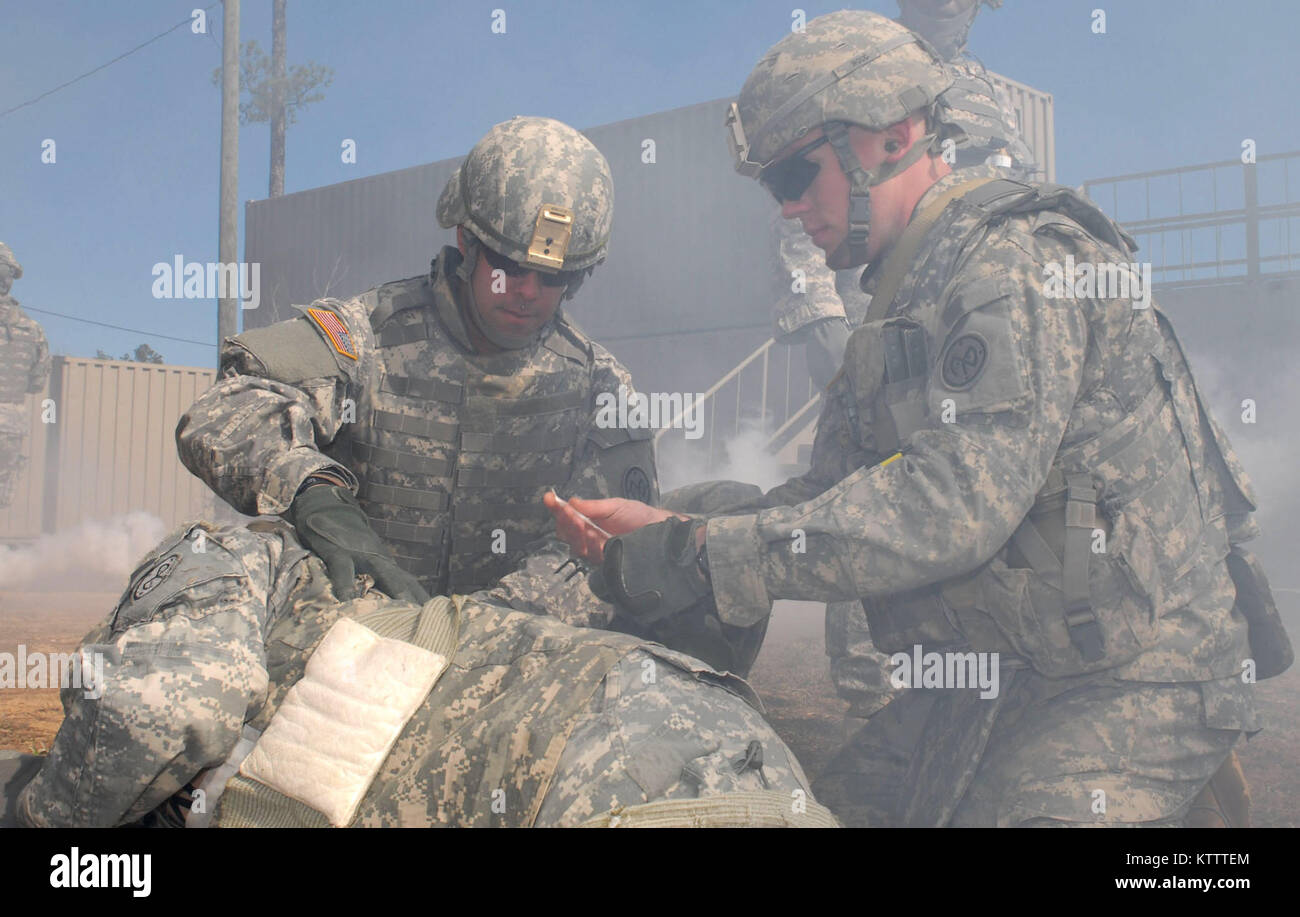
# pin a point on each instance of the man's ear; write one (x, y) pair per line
(460, 239)
(898, 138)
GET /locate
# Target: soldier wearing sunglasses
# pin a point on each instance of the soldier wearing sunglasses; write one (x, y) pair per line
(408, 434)
(1000, 471)
(818, 312)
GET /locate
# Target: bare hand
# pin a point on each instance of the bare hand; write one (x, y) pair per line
(616, 516)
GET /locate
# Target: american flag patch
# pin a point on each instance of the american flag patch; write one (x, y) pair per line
(335, 330)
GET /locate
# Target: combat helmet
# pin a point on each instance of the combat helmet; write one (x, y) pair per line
(536, 191)
(848, 68)
(10, 269)
(7, 258)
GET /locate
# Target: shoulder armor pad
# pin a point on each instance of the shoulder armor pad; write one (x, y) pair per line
(567, 340)
(318, 344)
(1079, 210)
(386, 300)
(608, 437)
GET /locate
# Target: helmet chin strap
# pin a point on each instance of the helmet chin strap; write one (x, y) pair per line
(465, 271)
(853, 251)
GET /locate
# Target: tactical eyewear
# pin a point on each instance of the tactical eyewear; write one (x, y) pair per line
(789, 178)
(511, 268)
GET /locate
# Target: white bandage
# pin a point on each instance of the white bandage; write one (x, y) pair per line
(336, 726)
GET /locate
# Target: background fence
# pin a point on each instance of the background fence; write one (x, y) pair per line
(110, 448)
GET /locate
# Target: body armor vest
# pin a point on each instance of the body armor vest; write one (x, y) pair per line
(1160, 491)
(453, 450)
(18, 351)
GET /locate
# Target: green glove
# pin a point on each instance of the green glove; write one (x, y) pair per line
(330, 522)
(654, 572)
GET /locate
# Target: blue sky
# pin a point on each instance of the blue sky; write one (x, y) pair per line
(1172, 82)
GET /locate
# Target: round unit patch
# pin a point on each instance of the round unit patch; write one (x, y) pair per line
(636, 484)
(963, 361)
(155, 575)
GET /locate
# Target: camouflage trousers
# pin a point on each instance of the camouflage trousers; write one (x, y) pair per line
(859, 671)
(1089, 750)
(12, 462)
(219, 621)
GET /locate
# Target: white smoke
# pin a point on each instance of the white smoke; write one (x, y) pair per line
(94, 556)
(1267, 445)
(743, 457)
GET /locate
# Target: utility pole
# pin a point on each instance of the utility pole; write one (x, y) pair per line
(228, 240)
(277, 97)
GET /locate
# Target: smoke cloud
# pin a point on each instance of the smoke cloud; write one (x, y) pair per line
(743, 458)
(95, 556)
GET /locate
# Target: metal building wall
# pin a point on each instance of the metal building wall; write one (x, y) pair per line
(111, 449)
(681, 298)
(685, 294)
(1035, 112)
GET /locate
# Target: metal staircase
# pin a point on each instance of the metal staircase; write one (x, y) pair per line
(766, 403)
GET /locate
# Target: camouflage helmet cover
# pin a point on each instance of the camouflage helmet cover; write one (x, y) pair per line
(527, 171)
(7, 258)
(853, 66)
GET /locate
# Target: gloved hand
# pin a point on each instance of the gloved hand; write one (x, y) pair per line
(330, 522)
(653, 572)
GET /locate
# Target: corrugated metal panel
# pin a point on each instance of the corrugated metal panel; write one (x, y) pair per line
(1035, 112)
(112, 448)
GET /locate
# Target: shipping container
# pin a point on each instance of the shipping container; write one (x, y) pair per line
(102, 443)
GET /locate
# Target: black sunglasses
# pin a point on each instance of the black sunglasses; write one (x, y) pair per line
(510, 268)
(790, 178)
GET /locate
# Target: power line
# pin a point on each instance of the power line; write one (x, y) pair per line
(78, 79)
(90, 321)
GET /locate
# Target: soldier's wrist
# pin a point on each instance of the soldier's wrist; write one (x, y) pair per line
(318, 478)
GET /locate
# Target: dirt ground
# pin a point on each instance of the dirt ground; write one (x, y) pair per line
(790, 674)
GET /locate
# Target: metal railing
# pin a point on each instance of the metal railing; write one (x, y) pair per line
(767, 393)
(1190, 228)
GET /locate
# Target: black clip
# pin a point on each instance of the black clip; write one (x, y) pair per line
(578, 568)
(752, 759)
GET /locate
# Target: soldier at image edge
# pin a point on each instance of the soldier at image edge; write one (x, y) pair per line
(998, 468)
(410, 432)
(24, 370)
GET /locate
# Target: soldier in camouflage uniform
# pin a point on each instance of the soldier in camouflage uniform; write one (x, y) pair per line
(818, 307)
(225, 636)
(24, 370)
(447, 403)
(1000, 467)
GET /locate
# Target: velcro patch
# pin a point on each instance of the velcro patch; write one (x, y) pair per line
(963, 361)
(155, 575)
(335, 330)
(636, 485)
